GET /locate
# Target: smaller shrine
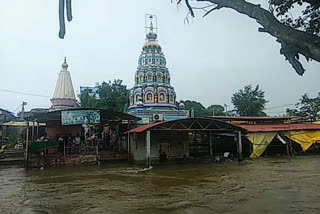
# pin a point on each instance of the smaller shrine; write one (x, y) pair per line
(63, 96)
(153, 98)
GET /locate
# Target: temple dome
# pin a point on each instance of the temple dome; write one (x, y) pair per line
(64, 96)
(151, 36)
(152, 93)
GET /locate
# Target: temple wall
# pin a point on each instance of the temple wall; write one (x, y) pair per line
(175, 147)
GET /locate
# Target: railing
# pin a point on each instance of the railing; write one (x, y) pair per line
(81, 150)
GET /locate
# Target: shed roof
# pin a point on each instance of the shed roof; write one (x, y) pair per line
(247, 118)
(279, 127)
(188, 124)
(106, 115)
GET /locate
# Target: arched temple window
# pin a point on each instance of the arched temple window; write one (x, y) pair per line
(162, 97)
(137, 98)
(171, 98)
(149, 97)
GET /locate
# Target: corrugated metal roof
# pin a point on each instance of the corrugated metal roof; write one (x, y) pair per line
(188, 124)
(144, 128)
(279, 127)
(249, 118)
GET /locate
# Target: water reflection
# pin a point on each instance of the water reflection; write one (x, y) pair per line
(262, 186)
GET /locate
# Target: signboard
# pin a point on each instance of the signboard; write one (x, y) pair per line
(79, 117)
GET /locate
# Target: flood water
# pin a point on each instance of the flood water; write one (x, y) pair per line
(270, 185)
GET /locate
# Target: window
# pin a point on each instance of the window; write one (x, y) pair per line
(149, 97)
(141, 78)
(149, 77)
(162, 97)
(159, 78)
(171, 98)
(149, 60)
(137, 98)
(153, 61)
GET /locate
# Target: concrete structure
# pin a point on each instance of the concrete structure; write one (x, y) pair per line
(63, 96)
(153, 98)
(185, 138)
(92, 91)
(6, 116)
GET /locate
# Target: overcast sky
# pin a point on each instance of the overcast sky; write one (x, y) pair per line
(208, 60)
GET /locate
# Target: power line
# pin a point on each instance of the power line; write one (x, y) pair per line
(17, 92)
(279, 106)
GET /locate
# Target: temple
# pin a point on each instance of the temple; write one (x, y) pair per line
(153, 98)
(63, 96)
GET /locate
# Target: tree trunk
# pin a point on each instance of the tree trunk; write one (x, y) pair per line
(293, 41)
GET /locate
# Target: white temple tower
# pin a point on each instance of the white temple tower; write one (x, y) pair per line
(63, 96)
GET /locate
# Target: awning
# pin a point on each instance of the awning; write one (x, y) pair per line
(260, 142)
(22, 124)
(38, 146)
(304, 138)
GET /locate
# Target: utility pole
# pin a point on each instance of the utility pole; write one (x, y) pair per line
(22, 110)
(226, 107)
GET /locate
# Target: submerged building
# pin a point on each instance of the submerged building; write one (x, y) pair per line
(63, 96)
(153, 98)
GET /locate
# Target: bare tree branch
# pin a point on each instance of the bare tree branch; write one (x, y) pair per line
(293, 42)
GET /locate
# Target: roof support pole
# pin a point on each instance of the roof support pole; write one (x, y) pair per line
(26, 154)
(211, 146)
(148, 149)
(239, 146)
(32, 138)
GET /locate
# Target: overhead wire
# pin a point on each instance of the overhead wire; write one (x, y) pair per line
(29, 94)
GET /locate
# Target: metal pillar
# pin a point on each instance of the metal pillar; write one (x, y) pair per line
(26, 155)
(210, 146)
(239, 146)
(148, 160)
(32, 138)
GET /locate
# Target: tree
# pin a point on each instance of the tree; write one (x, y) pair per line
(296, 36)
(249, 101)
(197, 107)
(215, 110)
(113, 96)
(87, 101)
(306, 107)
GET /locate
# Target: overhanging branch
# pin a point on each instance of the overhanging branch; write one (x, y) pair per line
(293, 42)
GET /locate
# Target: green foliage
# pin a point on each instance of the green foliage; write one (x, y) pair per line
(113, 96)
(201, 111)
(215, 110)
(308, 14)
(249, 101)
(197, 107)
(306, 107)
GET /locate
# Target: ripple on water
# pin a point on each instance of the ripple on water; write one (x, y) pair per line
(268, 185)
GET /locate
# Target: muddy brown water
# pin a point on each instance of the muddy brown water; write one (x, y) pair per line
(267, 185)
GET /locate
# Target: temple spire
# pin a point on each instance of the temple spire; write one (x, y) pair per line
(151, 24)
(64, 96)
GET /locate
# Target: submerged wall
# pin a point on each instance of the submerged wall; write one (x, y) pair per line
(174, 144)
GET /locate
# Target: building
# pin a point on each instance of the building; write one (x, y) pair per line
(6, 116)
(63, 96)
(92, 91)
(153, 98)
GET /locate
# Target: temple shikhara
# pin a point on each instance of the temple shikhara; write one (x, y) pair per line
(153, 98)
(63, 96)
